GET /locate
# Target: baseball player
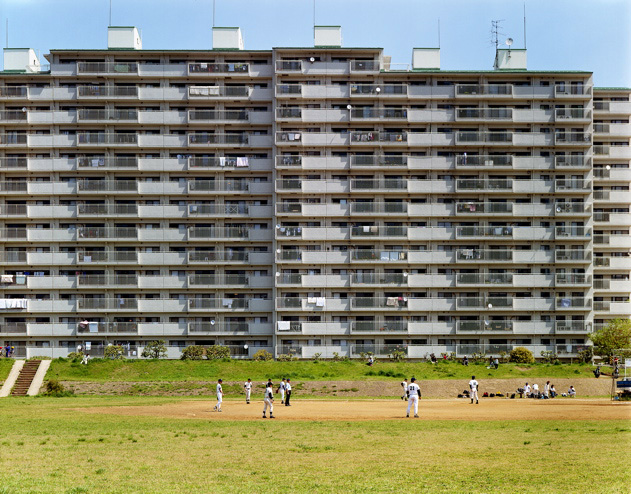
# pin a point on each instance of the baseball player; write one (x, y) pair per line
(248, 389)
(282, 387)
(414, 393)
(473, 386)
(217, 407)
(404, 385)
(287, 392)
(268, 400)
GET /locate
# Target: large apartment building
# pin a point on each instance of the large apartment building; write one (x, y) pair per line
(308, 200)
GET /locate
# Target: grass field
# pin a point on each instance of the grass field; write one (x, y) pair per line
(49, 447)
(178, 370)
(5, 368)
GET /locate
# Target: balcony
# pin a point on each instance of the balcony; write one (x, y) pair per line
(564, 114)
(570, 161)
(370, 113)
(218, 115)
(210, 139)
(97, 185)
(218, 68)
(103, 232)
(386, 303)
(107, 303)
(382, 137)
(486, 326)
(107, 91)
(218, 327)
(371, 90)
(577, 255)
(9, 116)
(379, 231)
(484, 231)
(103, 138)
(108, 257)
(480, 161)
(474, 137)
(572, 279)
(573, 138)
(379, 207)
(103, 280)
(18, 92)
(473, 208)
(107, 210)
(484, 114)
(230, 256)
(463, 279)
(572, 326)
(491, 90)
(204, 210)
(218, 186)
(289, 65)
(379, 184)
(237, 232)
(491, 185)
(13, 138)
(573, 303)
(14, 162)
(473, 255)
(370, 161)
(103, 162)
(215, 92)
(379, 279)
(379, 326)
(365, 66)
(574, 232)
(114, 68)
(218, 303)
(572, 90)
(97, 115)
(218, 279)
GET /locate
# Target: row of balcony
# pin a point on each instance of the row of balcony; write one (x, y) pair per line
(613, 152)
(613, 262)
(401, 114)
(133, 116)
(133, 93)
(468, 208)
(460, 255)
(494, 280)
(133, 187)
(114, 281)
(125, 257)
(100, 163)
(465, 161)
(133, 139)
(501, 326)
(491, 185)
(407, 138)
(113, 233)
(482, 232)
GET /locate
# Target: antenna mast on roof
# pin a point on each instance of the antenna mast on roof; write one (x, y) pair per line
(495, 32)
(314, 24)
(524, 25)
(438, 32)
(110, 13)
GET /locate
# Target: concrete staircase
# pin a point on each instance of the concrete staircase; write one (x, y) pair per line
(24, 380)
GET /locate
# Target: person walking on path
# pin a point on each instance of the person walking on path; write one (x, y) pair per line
(268, 399)
(473, 386)
(282, 387)
(217, 407)
(287, 392)
(404, 385)
(414, 393)
(248, 389)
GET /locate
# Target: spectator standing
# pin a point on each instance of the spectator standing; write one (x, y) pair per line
(535, 390)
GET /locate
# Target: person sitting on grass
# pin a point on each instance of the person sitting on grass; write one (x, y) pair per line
(553, 392)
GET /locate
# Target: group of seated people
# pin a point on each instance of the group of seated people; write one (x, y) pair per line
(549, 391)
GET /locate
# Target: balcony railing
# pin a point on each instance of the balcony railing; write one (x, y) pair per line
(106, 138)
(365, 66)
(572, 138)
(218, 327)
(484, 207)
(484, 279)
(379, 302)
(483, 137)
(484, 113)
(487, 325)
(379, 207)
(570, 161)
(98, 185)
(218, 303)
(379, 326)
(217, 209)
(369, 136)
(572, 114)
(107, 162)
(13, 256)
(107, 279)
(378, 89)
(379, 278)
(218, 185)
(116, 114)
(217, 162)
(13, 162)
(372, 113)
(107, 68)
(572, 90)
(90, 232)
(94, 256)
(288, 112)
(289, 89)
(13, 138)
(213, 115)
(107, 91)
(572, 255)
(284, 160)
(218, 256)
(204, 138)
(573, 302)
(484, 231)
(289, 65)
(107, 209)
(484, 255)
(218, 68)
(468, 160)
(379, 231)
(484, 89)
(573, 279)
(218, 91)
(570, 326)
(572, 231)
(217, 279)
(483, 184)
(107, 303)
(360, 160)
(379, 255)
(13, 115)
(13, 91)
(382, 184)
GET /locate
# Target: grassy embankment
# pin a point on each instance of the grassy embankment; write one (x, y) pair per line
(48, 447)
(240, 370)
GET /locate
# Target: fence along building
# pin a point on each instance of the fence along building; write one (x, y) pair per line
(307, 200)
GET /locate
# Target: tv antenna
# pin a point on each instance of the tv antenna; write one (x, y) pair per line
(495, 32)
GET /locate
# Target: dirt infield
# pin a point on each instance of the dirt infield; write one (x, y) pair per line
(359, 410)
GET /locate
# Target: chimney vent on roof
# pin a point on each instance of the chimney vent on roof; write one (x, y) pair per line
(327, 36)
(227, 38)
(123, 38)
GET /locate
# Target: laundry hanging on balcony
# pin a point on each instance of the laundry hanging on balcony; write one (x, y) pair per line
(284, 325)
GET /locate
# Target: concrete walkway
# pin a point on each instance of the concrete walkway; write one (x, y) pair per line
(13, 376)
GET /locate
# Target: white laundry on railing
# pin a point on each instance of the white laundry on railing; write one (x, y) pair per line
(320, 301)
(13, 303)
(284, 325)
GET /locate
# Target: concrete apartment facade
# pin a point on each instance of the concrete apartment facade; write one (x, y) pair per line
(308, 200)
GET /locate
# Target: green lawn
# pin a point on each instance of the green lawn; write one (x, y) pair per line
(239, 370)
(5, 367)
(49, 448)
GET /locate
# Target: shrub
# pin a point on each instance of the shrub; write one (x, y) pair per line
(397, 356)
(75, 356)
(338, 358)
(504, 357)
(155, 349)
(262, 355)
(193, 352)
(548, 357)
(586, 354)
(113, 352)
(522, 355)
(217, 352)
(316, 357)
(56, 389)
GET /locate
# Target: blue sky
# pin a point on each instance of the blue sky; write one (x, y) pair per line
(592, 35)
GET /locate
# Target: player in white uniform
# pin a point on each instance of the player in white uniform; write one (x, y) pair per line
(414, 393)
(248, 389)
(281, 388)
(268, 399)
(217, 407)
(287, 392)
(404, 385)
(473, 386)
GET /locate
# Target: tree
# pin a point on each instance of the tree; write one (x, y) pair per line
(522, 355)
(114, 352)
(155, 349)
(609, 340)
(193, 352)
